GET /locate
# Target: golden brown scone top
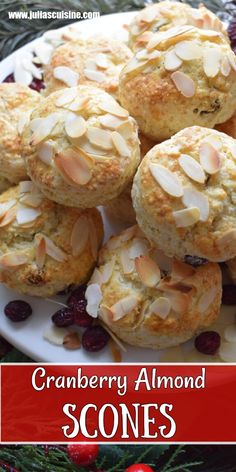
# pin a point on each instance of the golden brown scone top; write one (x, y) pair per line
(164, 15)
(149, 299)
(44, 247)
(184, 194)
(95, 62)
(16, 103)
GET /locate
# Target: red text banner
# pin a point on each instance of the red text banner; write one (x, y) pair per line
(118, 403)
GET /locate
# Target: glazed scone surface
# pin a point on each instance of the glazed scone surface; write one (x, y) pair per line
(45, 247)
(16, 103)
(164, 15)
(148, 299)
(85, 147)
(184, 195)
(95, 62)
(184, 77)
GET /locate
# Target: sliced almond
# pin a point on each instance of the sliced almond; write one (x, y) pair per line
(179, 301)
(75, 165)
(161, 307)
(99, 137)
(207, 299)
(110, 121)
(139, 247)
(75, 126)
(32, 199)
(45, 128)
(8, 217)
(96, 277)
(54, 251)
(66, 97)
(166, 179)
(120, 144)
(78, 104)
(26, 186)
(232, 60)
(209, 158)
(107, 270)
(230, 333)
(5, 206)
(148, 271)
(79, 235)
(128, 233)
(93, 296)
(55, 335)
(45, 152)
(13, 259)
(214, 140)
(181, 271)
(149, 14)
(113, 108)
(23, 121)
(26, 215)
(72, 341)
(192, 168)
(225, 66)
(66, 75)
(101, 60)
(193, 198)
(123, 307)
(211, 61)
(187, 217)
(127, 129)
(95, 75)
(40, 253)
(172, 61)
(188, 50)
(227, 351)
(184, 84)
(126, 262)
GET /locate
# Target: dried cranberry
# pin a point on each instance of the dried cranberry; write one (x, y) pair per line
(208, 342)
(229, 294)
(18, 310)
(63, 317)
(95, 338)
(77, 302)
(37, 85)
(195, 261)
(232, 33)
(9, 78)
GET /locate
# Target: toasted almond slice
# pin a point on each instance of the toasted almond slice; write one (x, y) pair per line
(35, 123)
(31, 199)
(120, 144)
(184, 84)
(66, 97)
(154, 55)
(193, 198)
(95, 75)
(23, 121)
(149, 14)
(72, 341)
(225, 67)
(179, 301)
(107, 270)
(66, 75)
(54, 251)
(100, 137)
(142, 54)
(128, 233)
(112, 107)
(172, 62)
(13, 259)
(93, 296)
(105, 313)
(101, 60)
(232, 60)
(21, 75)
(214, 140)
(45, 152)
(209, 158)
(75, 125)
(181, 271)
(8, 217)
(192, 168)
(45, 128)
(230, 333)
(123, 307)
(227, 351)
(96, 277)
(139, 247)
(188, 50)
(211, 61)
(26, 186)
(126, 262)
(55, 335)
(40, 252)
(78, 104)
(161, 307)
(75, 165)
(127, 129)
(26, 215)
(79, 235)
(168, 181)
(148, 271)
(5, 206)
(166, 35)
(187, 217)
(206, 299)
(110, 121)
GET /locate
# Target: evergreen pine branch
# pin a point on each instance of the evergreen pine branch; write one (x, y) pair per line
(179, 450)
(183, 467)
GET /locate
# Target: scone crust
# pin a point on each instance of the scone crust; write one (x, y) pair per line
(109, 171)
(81, 55)
(229, 127)
(198, 292)
(149, 91)
(213, 238)
(56, 223)
(16, 100)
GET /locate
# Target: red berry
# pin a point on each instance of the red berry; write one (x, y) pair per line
(139, 468)
(18, 310)
(95, 338)
(82, 454)
(208, 342)
(77, 302)
(63, 318)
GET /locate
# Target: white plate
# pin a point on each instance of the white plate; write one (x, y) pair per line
(28, 336)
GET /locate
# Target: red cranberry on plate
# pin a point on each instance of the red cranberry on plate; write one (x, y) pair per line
(36, 84)
(77, 302)
(208, 342)
(63, 318)
(18, 310)
(95, 338)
